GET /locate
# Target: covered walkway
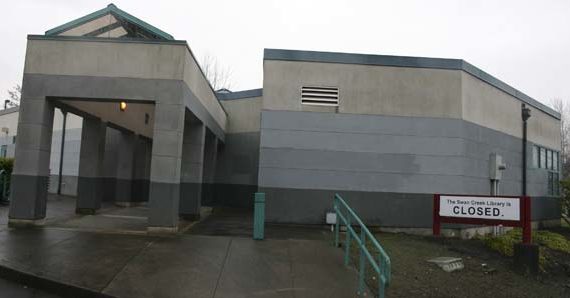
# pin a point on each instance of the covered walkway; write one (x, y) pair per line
(141, 85)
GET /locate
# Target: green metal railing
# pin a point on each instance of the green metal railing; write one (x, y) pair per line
(379, 263)
(259, 216)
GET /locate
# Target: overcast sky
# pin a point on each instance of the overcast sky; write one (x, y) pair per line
(524, 43)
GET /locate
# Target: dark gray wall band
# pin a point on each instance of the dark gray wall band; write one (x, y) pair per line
(162, 197)
(89, 192)
(190, 200)
(400, 210)
(33, 190)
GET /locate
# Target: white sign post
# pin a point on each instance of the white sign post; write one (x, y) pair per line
(482, 210)
(497, 208)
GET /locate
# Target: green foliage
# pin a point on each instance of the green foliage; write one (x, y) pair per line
(7, 164)
(565, 196)
(545, 239)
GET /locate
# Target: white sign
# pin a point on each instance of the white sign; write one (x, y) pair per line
(480, 207)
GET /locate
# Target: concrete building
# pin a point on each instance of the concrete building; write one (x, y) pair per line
(387, 132)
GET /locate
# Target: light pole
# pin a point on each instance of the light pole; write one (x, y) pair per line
(525, 114)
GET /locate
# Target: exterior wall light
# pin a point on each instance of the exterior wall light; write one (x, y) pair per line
(122, 106)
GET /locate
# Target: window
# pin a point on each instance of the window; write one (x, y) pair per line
(535, 156)
(553, 184)
(319, 96)
(543, 158)
(549, 160)
(3, 150)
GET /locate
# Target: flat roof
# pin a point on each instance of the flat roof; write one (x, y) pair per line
(9, 110)
(406, 61)
(240, 94)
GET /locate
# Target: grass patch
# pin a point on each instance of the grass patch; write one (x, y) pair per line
(545, 239)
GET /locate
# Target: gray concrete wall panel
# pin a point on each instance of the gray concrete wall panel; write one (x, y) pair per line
(91, 157)
(30, 176)
(191, 179)
(385, 154)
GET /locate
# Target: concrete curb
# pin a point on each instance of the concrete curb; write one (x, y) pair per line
(49, 285)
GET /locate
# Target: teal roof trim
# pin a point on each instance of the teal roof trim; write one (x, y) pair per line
(112, 9)
(78, 22)
(148, 27)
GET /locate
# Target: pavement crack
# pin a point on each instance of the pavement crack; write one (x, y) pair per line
(222, 268)
(126, 264)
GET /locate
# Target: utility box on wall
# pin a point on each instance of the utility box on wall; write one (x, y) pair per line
(496, 167)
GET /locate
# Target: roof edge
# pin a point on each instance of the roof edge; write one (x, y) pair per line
(406, 61)
(105, 39)
(111, 8)
(240, 94)
(9, 110)
(77, 22)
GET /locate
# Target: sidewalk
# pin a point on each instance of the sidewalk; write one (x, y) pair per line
(215, 258)
(182, 266)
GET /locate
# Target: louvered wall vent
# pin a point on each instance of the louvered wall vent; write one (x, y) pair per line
(319, 96)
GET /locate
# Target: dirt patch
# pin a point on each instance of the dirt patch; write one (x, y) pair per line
(412, 276)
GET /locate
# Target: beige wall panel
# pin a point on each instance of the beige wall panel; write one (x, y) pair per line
(106, 59)
(244, 114)
(196, 81)
(490, 107)
(90, 26)
(9, 121)
(365, 89)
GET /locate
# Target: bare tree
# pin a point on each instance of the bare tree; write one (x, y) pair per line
(218, 76)
(14, 96)
(564, 109)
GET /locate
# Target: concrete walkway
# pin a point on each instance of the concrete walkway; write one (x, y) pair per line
(208, 261)
(182, 266)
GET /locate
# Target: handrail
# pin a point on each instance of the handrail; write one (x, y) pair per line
(381, 265)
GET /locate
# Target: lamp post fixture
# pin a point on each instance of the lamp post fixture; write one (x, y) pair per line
(525, 114)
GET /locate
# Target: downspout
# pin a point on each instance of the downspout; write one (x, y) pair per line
(61, 152)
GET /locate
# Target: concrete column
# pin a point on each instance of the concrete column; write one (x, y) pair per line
(192, 170)
(165, 167)
(125, 160)
(91, 155)
(141, 169)
(210, 159)
(31, 168)
(110, 165)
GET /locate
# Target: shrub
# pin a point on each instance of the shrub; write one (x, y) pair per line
(7, 164)
(565, 196)
(545, 239)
